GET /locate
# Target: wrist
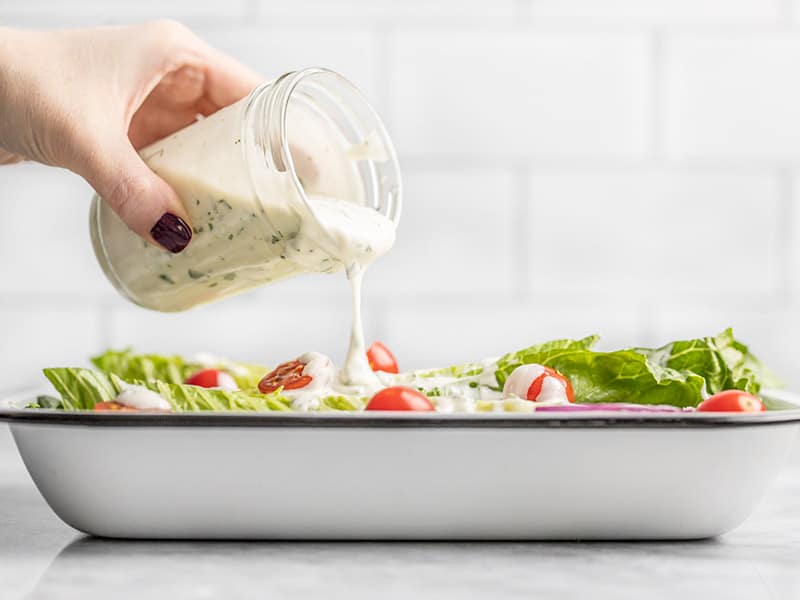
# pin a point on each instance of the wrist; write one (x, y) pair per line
(12, 83)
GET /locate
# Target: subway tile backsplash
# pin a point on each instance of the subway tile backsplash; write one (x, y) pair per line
(625, 167)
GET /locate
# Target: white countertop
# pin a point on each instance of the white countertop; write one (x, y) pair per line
(40, 557)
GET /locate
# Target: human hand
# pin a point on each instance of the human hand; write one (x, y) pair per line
(88, 99)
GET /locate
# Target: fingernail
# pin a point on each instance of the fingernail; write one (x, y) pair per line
(172, 232)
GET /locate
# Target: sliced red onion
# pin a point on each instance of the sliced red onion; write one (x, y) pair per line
(614, 407)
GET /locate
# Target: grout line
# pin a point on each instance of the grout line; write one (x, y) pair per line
(578, 300)
(786, 11)
(449, 162)
(105, 324)
(657, 87)
(385, 49)
(786, 236)
(47, 21)
(252, 14)
(647, 317)
(520, 17)
(35, 300)
(521, 11)
(522, 199)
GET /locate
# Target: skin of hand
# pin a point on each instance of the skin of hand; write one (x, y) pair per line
(88, 99)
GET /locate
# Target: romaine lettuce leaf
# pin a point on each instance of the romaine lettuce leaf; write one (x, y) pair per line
(143, 367)
(724, 362)
(465, 371)
(170, 369)
(542, 354)
(681, 373)
(187, 398)
(81, 389)
(345, 403)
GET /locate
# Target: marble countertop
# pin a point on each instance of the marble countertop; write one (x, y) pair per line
(40, 557)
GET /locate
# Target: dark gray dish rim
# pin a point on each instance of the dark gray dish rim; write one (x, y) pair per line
(401, 420)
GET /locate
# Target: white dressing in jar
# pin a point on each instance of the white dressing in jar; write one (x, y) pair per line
(299, 177)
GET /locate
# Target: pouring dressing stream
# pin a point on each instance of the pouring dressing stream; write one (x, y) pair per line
(299, 177)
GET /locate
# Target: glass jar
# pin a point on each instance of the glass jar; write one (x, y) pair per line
(249, 177)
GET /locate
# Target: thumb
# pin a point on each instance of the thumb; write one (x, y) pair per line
(144, 201)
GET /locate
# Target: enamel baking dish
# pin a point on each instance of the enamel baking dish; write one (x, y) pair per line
(575, 476)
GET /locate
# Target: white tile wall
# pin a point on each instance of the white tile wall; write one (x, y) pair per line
(647, 235)
(493, 93)
(456, 237)
(420, 331)
(268, 332)
(659, 10)
(40, 334)
(76, 13)
(626, 167)
(733, 95)
(418, 10)
(275, 50)
(44, 235)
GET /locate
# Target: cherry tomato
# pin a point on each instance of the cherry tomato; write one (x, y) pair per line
(114, 406)
(536, 386)
(288, 376)
(732, 401)
(381, 358)
(212, 378)
(400, 398)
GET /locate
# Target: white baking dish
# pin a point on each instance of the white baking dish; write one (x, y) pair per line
(403, 476)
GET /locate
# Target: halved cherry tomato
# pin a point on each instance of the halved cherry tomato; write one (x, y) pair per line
(732, 401)
(400, 398)
(212, 378)
(114, 406)
(536, 385)
(288, 376)
(381, 358)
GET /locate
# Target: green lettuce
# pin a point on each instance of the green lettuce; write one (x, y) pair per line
(724, 362)
(682, 373)
(81, 389)
(464, 371)
(170, 369)
(345, 403)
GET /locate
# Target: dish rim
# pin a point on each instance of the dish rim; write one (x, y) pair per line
(399, 420)
(12, 413)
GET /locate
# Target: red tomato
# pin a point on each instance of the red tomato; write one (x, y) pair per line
(536, 386)
(288, 376)
(732, 401)
(114, 406)
(400, 398)
(381, 358)
(207, 378)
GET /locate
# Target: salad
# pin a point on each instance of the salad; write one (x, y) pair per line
(715, 373)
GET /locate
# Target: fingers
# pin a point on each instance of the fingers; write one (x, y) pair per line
(227, 80)
(173, 47)
(144, 201)
(9, 158)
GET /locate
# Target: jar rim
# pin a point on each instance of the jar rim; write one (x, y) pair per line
(281, 91)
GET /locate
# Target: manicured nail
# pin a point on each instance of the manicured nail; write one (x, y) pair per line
(172, 232)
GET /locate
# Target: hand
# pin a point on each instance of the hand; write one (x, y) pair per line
(88, 99)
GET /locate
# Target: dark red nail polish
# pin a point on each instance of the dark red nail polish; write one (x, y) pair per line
(172, 232)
